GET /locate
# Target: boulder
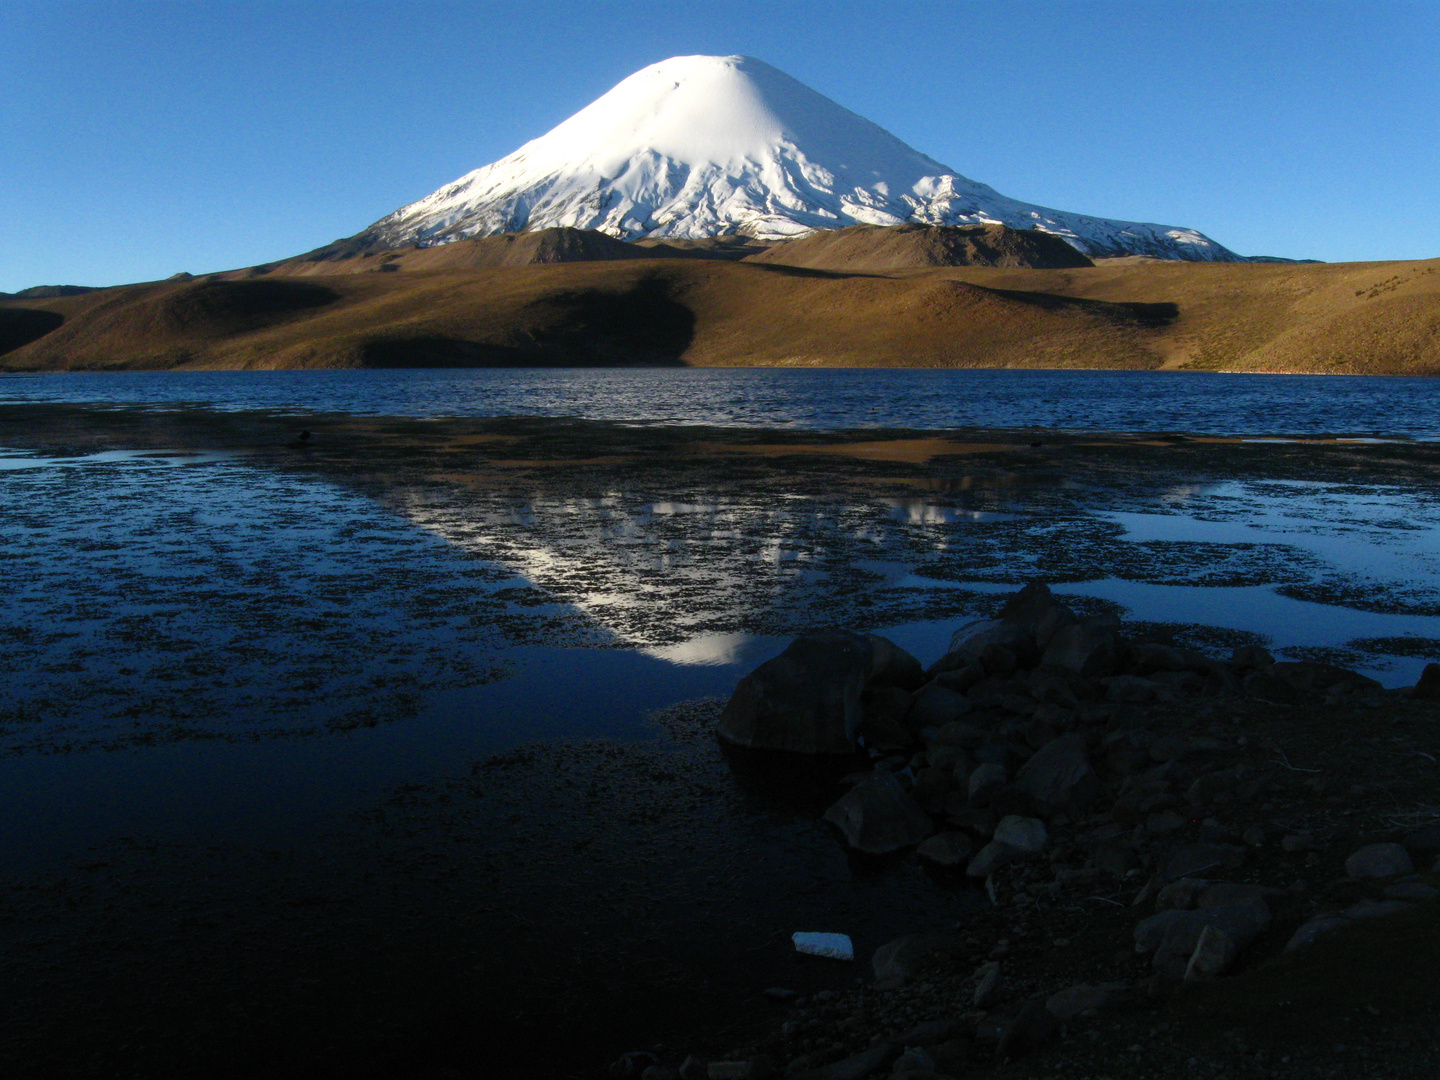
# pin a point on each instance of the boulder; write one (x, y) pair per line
(1308, 675)
(806, 700)
(856, 1067)
(1214, 953)
(877, 817)
(1267, 687)
(1315, 928)
(968, 644)
(1133, 689)
(1428, 688)
(1151, 931)
(1243, 920)
(1181, 895)
(1034, 608)
(961, 679)
(1147, 658)
(1083, 999)
(985, 782)
(899, 961)
(1379, 861)
(884, 722)
(1086, 648)
(991, 857)
(890, 665)
(1025, 834)
(950, 850)
(1250, 658)
(953, 758)
(1212, 785)
(936, 706)
(990, 986)
(1059, 777)
(1413, 891)
(1377, 909)
(1030, 1028)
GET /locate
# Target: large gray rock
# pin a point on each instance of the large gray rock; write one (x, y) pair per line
(1307, 675)
(1035, 609)
(1147, 658)
(877, 817)
(885, 724)
(806, 700)
(1181, 895)
(1315, 928)
(1026, 834)
(991, 857)
(1086, 648)
(856, 1067)
(890, 665)
(935, 706)
(1030, 1028)
(1414, 891)
(1377, 909)
(950, 850)
(899, 961)
(1174, 934)
(1379, 861)
(1083, 999)
(969, 642)
(1428, 687)
(1059, 777)
(985, 782)
(1214, 953)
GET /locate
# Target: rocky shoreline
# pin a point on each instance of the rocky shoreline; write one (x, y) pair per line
(1080, 775)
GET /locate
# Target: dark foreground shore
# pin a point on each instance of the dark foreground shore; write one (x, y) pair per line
(544, 910)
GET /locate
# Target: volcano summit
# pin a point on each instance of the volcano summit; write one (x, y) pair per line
(703, 146)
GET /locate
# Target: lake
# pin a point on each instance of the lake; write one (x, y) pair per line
(1196, 403)
(225, 656)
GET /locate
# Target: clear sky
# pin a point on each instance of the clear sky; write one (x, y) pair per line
(140, 138)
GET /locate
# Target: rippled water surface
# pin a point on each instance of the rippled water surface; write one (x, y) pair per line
(305, 694)
(214, 618)
(814, 399)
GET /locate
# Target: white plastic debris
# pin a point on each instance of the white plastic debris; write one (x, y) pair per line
(835, 946)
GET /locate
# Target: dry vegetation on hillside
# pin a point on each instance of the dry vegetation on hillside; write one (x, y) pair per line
(504, 301)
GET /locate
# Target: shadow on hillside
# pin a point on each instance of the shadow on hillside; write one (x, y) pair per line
(223, 308)
(21, 326)
(643, 326)
(1150, 316)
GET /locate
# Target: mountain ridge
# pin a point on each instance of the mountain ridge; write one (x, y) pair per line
(704, 146)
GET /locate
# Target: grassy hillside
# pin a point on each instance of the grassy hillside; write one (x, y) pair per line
(437, 311)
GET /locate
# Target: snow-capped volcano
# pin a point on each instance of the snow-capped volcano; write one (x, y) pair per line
(700, 146)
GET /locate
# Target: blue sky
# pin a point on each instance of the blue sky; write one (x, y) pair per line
(138, 139)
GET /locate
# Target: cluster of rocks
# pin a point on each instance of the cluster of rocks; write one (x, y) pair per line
(1013, 727)
(1024, 755)
(1197, 929)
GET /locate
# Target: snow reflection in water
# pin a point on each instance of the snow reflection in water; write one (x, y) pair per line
(246, 599)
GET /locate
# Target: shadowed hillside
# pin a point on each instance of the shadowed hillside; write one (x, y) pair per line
(882, 249)
(1342, 318)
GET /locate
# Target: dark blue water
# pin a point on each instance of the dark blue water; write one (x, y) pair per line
(1196, 403)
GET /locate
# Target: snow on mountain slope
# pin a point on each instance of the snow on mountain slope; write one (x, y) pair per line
(699, 146)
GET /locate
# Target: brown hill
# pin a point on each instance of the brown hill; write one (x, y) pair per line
(888, 248)
(540, 247)
(1340, 317)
